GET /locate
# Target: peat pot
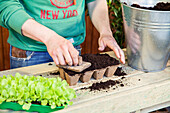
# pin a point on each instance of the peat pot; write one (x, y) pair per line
(147, 35)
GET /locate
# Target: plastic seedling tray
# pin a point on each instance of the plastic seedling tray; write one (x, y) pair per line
(34, 107)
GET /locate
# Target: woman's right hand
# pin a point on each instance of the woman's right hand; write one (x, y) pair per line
(62, 50)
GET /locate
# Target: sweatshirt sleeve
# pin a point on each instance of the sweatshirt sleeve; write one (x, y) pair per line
(12, 15)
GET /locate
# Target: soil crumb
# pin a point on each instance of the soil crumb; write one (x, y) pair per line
(123, 77)
(119, 72)
(72, 73)
(103, 85)
(161, 6)
(55, 73)
(50, 64)
(121, 85)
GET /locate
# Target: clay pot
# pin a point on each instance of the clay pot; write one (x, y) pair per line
(72, 80)
(99, 73)
(110, 70)
(85, 77)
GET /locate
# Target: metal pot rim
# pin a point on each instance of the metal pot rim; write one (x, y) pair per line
(146, 10)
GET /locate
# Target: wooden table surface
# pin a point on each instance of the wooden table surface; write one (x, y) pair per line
(142, 92)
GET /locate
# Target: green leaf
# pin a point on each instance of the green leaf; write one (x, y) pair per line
(26, 106)
(4, 93)
(53, 106)
(70, 103)
(117, 22)
(58, 103)
(4, 82)
(44, 102)
(17, 75)
(21, 102)
(2, 99)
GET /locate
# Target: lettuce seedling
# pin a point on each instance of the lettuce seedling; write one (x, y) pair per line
(26, 89)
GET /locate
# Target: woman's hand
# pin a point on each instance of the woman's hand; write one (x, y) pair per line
(108, 40)
(62, 50)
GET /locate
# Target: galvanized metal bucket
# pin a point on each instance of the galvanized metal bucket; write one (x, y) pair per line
(147, 35)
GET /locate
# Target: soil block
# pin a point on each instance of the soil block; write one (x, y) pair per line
(99, 61)
(72, 80)
(99, 73)
(62, 73)
(72, 77)
(110, 71)
(85, 77)
(101, 64)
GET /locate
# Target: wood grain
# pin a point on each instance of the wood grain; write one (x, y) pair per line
(86, 48)
(1, 51)
(6, 48)
(95, 38)
(90, 44)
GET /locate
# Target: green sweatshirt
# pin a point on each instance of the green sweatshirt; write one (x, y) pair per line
(61, 16)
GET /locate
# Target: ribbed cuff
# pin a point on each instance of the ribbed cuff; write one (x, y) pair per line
(17, 19)
(88, 1)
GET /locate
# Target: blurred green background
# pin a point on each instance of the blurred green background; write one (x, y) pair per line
(116, 21)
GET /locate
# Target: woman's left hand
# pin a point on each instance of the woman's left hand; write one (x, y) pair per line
(109, 41)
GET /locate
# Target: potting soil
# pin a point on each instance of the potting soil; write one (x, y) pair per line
(159, 6)
(119, 72)
(55, 73)
(103, 85)
(98, 61)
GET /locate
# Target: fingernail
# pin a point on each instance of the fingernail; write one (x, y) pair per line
(57, 64)
(123, 61)
(70, 64)
(101, 48)
(63, 64)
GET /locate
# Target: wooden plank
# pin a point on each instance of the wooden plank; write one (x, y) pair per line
(1, 51)
(6, 48)
(88, 41)
(31, 70)
(124, 102)
(83, 44)
(151, 90)
(90, 45)
(154, 108)
(95, 38)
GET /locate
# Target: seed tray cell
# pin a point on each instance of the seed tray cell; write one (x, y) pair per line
(86, 76)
